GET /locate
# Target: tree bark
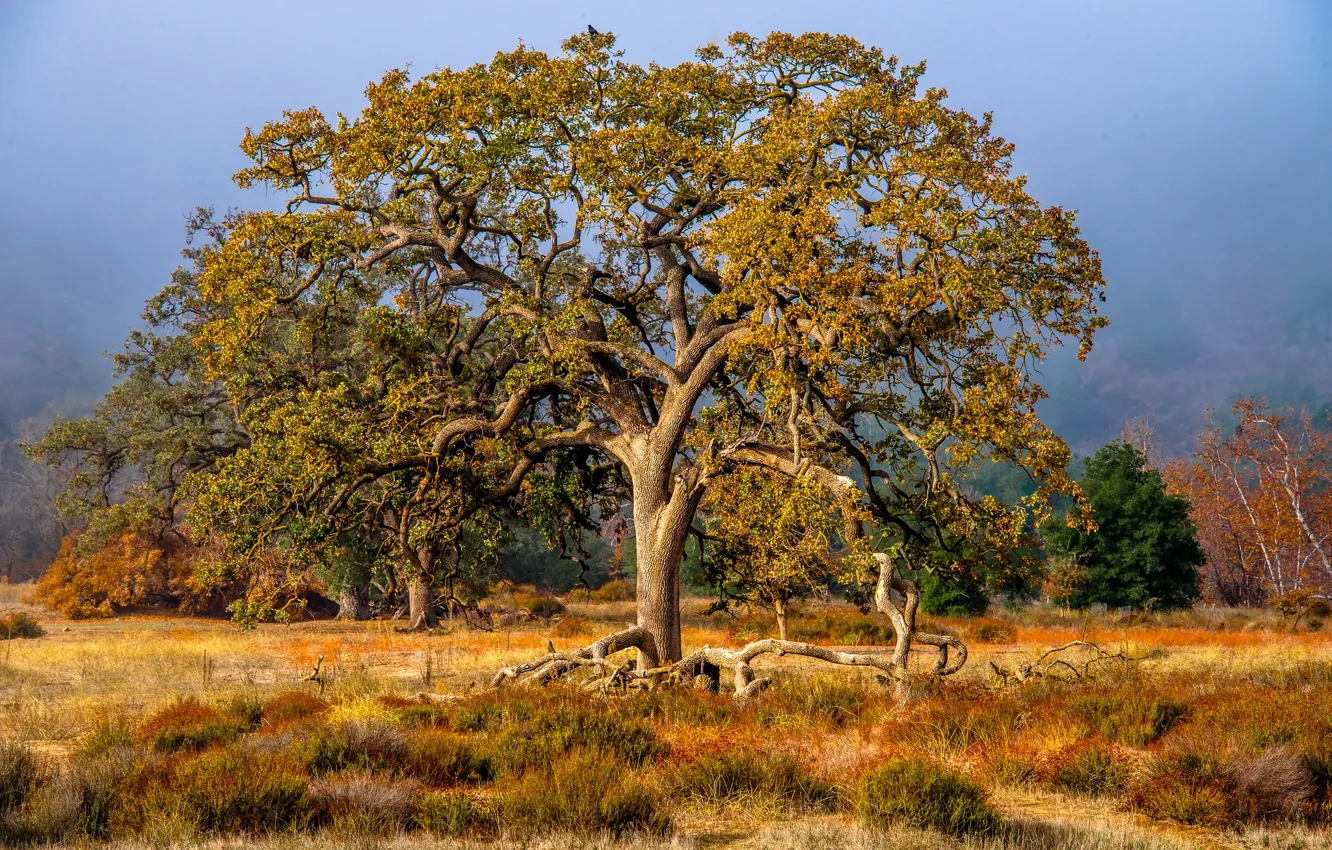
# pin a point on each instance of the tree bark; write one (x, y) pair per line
(660, 529)
(779, 606)
(421, 602)
(353, 602)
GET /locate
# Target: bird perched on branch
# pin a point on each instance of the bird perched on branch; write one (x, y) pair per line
(591, 30)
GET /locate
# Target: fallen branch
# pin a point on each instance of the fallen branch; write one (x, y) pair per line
(1049, 662)
(315, 676)
(897, 598)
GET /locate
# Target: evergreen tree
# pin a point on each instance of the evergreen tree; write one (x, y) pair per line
(1145, 552)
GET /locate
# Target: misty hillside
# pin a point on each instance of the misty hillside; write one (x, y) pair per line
(45, 365)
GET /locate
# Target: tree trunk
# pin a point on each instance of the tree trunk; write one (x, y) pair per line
(353, 602)
(779, 606)
(421, 602)
(660, 530)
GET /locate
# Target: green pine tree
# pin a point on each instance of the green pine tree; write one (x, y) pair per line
(1145, 553)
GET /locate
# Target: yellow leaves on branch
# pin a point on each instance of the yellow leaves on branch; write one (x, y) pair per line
(129, 570)
(777, 534)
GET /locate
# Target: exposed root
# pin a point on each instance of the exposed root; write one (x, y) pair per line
(701, 668)
(552, 665)
(942, 666)
(895, 597)
(738, 661)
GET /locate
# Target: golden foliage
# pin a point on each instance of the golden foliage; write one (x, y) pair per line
(127, 571)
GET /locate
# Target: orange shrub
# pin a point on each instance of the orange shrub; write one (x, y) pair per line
(291, 707)
(188, 725)
(129, 570)
(614, 591)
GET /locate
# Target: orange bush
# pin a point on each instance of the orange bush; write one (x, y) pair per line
(188, 725)
(618, 590)
(128, 571)
(292, 707)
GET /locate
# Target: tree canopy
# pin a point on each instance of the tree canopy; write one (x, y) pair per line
(552, 282)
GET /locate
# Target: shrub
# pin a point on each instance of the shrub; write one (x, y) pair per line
(1008, 768)
(543, 607)
(561, 729)
(247, 710)
(990, 630)
(614, 591)
(223, 792)
(104, 780)
(362, 804)
(686, 707)
(371, 747)
(423, 714)
(1274, 786)
(1091, 770)
(453, 815)
(488, 712)
(440, 758)
(585, 793)
(1189, 787)
(925, 796)
(1317, 759)
(53, 811)
(570, 627)
(127, 570)
(753, 779)
(109, 735)
(18, 775)
(1130, 718)
(832, 700)
(19, 625)
(291, 707)
(187, 725)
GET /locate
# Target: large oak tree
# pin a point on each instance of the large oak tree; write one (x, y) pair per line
(568, 275)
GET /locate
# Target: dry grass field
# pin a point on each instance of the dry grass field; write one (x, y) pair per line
(171, 731)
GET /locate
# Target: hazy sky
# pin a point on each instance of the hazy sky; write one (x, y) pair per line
(1194, 137)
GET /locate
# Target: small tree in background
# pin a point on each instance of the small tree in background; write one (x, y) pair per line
(770, 540)
(1064, 580)
(1145, 552)
(1261, 491)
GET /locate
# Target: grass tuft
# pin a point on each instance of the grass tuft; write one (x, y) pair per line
(926, 796)
(753, 780)
(189, 725)
(1191, 787)
(586, 793)
(454, 814)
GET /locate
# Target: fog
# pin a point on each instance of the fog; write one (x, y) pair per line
(1192, 137)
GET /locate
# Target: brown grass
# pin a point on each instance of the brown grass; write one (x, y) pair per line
(1082, 764)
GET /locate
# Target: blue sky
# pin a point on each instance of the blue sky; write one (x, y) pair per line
(1194, 138)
